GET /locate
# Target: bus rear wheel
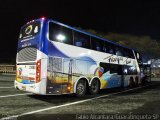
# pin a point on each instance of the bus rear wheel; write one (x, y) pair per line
(81, 88)
(94, 87)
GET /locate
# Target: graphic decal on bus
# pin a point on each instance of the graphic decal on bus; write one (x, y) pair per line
(63, 70)
(53, 51)
(26, 74)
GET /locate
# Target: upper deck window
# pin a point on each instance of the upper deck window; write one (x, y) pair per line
(128, 53)
(109, 48)
(59, 33)
(97, 44)
(119, 51)
(81, 40)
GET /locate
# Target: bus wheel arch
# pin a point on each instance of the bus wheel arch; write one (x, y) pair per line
(81, 86)
(94, 85)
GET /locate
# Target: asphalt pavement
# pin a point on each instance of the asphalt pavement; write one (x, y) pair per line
(136, 103)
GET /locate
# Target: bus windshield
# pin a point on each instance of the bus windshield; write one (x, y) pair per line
(30, 30)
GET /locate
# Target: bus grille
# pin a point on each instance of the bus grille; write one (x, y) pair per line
(27, 54)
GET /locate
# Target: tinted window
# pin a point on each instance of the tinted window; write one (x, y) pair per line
(112, 68)
(97, 44)
(128, 53)
(60, 34)
(119, 51)
(129, 70)
(109, 48)
(81, 40)
(30, 30)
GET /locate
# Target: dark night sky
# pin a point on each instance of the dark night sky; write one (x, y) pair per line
(136, 17)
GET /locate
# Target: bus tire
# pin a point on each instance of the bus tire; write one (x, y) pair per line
(94, 87)
(136, 81)
(81, 88)
(131, 82)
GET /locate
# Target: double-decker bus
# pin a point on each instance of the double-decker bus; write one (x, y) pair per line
(54, 58)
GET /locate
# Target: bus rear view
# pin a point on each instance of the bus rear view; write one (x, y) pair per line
(29, 76)
(54, 58)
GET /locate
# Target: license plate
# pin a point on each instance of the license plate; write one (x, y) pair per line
(23, 87)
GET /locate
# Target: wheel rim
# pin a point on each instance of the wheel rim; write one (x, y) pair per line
(80, 88)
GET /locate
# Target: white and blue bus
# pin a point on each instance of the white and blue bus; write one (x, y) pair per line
(54, 58)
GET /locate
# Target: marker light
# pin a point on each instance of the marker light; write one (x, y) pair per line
(69, 88)
(43, 18)
(38, 71)
(60, 37)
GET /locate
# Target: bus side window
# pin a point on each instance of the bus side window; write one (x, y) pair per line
(97, 44)
(81, 40)
(126, 54)
(105, 48)
(59, 33)
(130, 53)
(119, 51)
(78, 43)
(111, 51)
(109, 48)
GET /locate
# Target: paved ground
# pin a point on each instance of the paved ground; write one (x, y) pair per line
(114, 103)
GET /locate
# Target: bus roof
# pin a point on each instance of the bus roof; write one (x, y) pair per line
(81, 31)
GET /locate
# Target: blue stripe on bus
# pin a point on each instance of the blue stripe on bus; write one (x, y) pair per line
(54, 51)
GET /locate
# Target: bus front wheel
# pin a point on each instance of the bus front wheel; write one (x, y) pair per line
(94, 87)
